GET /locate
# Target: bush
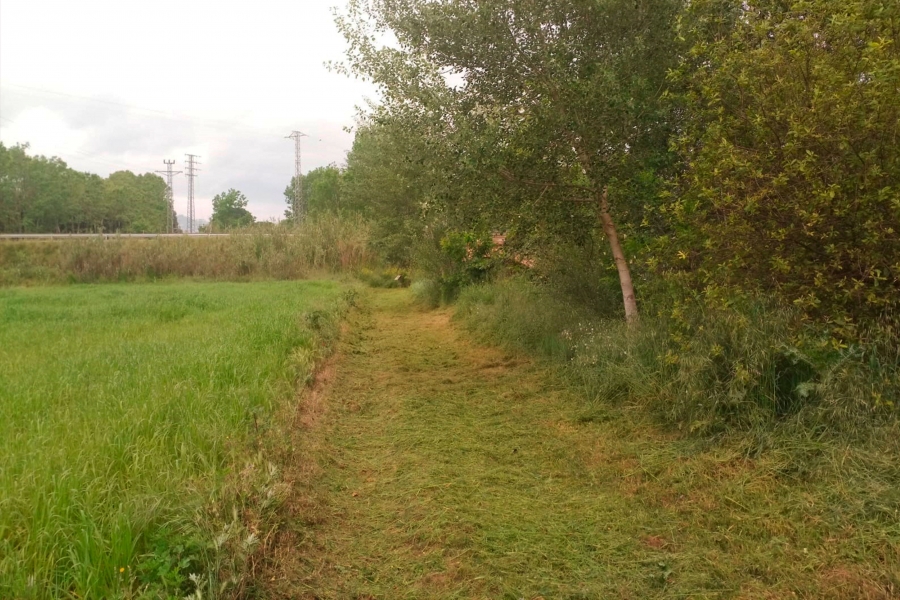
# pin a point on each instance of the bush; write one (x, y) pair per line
(453, 261)
(792, 167)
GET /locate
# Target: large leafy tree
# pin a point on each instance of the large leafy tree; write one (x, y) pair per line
(230, 211)
(136, 203)
(386, 182)
(321, 189)
(14, 175)
(563, 100)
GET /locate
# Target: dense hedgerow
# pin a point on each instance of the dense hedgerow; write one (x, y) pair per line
(790, 154)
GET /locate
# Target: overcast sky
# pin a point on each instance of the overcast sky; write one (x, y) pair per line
(108, 85)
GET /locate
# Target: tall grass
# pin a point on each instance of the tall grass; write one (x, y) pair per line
(325, 243)
(130, 420)
(700, 367)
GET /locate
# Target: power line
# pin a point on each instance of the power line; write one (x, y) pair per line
(98, 160)
(191, 172)
(299, 204)
(298, 209)
(161, 113)
(170, 196)
(168, 115)
(82, 154)
(91, 157)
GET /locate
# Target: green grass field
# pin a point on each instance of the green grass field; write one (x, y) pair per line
(123, 408)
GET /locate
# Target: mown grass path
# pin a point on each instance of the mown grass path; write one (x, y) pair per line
(446, 469)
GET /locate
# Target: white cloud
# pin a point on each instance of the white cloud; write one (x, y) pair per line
(107, 85)
(46, 131)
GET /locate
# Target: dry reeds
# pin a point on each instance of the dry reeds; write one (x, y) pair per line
(326, 243)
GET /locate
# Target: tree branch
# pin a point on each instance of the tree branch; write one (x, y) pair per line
(507, 175)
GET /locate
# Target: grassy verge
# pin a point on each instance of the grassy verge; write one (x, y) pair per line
(326, 243)
(133, 424)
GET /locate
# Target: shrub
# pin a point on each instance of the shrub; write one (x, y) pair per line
(792, 181)
(455, 260)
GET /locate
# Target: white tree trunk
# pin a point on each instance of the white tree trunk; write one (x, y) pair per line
(609, 229)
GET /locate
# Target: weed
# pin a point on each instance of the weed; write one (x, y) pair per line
(427, 292)
(700, 367)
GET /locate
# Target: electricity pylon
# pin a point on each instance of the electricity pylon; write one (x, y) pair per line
(170, 195)
(299, 209)
(191, 172)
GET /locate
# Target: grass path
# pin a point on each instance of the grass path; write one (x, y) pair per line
(434, 467)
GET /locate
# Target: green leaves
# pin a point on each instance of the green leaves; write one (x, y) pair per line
(754, 147)
(43, 195)
(521, 112)
(321, 192)
(230, 211)
(791, 150)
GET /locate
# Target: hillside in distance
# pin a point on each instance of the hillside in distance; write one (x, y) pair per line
(198, 223)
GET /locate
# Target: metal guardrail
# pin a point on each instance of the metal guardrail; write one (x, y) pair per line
(66, 236)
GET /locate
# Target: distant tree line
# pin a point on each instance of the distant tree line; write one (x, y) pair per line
(44, 195)
(371, 185)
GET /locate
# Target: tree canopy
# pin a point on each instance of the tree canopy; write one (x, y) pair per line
(751, 148)
(561, 100)
(230, 212)
(321, 190)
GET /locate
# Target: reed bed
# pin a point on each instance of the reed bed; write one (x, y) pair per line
(324, 244)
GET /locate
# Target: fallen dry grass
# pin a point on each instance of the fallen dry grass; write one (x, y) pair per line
(429, 466)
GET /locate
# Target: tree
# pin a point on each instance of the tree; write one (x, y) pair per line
(387, 186)
(230, 211)
(135, 203)
(14, 164)
(321, 191)
(39, 194)
(562, 100)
